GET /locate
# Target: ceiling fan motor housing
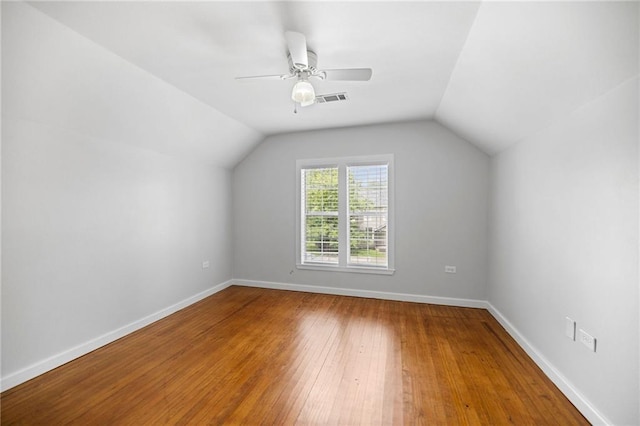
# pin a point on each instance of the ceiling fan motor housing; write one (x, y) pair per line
(312, 63)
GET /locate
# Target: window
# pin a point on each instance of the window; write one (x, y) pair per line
(345, 212)
(321, 215)
(368, 211)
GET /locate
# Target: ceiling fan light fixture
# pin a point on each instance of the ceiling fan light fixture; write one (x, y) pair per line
(311, 102)
(303, 92)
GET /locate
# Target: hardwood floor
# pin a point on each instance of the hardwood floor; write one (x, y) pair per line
(256, 356)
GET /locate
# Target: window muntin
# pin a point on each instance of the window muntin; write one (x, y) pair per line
(345, 214)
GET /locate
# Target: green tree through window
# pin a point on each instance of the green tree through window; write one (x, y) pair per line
(321, 211)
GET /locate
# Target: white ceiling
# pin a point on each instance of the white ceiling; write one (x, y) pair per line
(494, 72)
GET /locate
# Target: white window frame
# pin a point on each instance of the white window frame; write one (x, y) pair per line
(343, 214)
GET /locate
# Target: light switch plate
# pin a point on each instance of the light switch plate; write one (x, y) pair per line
(570, 328)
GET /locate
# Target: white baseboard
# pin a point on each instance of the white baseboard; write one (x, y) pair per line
(403, 297)
(565, 386)
(57, 360)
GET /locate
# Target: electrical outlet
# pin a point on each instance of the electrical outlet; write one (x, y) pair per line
(588, 340)
(450, 269)
(205, 264)
(570, 328)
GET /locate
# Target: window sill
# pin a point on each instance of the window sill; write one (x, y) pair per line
(351, 269)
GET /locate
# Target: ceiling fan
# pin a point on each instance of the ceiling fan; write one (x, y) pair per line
(302, 67)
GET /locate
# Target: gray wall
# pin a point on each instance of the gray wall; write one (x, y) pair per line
(98, 231)
(441, 185)
(97, 235)
(564, 242)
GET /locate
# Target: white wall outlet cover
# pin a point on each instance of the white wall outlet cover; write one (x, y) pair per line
(205, 264)
(450, 269)
(570, 328)
(588, 340)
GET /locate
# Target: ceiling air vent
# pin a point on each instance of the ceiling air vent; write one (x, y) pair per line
(334, 97)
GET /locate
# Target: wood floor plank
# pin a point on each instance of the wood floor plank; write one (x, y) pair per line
(256, 356)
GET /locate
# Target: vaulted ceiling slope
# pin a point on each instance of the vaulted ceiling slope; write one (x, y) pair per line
(526, 65)
(54, 77)
(494, 72)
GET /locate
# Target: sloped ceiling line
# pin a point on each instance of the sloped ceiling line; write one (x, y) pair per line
(464, 45)
(526, 64)
(100, 93)
(577, 109)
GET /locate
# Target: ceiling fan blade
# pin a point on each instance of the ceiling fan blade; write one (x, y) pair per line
(266, 77)
(297, 45)
(350, 74)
